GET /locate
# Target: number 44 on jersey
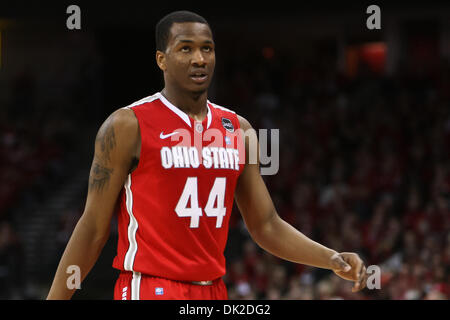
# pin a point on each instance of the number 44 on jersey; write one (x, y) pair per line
(216, 196)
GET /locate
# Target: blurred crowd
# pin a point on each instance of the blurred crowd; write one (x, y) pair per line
(38, 135)
(364, 167)
(30, 162)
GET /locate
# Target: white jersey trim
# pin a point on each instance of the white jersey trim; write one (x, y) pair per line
(132, 228)
(175, 109)
(184, 116)
(220, 107)
(142, 101)
(180, 113)
(209, 116)
(136, 286)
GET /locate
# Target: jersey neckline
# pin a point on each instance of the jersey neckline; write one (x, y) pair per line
(183, 115)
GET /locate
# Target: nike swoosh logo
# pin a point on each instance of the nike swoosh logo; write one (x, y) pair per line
(165, 136)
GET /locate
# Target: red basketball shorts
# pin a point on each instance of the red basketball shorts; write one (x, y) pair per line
(137, 286)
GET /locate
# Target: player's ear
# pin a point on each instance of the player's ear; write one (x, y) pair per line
(161, 60)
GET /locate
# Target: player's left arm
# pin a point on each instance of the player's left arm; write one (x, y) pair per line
(277, 236)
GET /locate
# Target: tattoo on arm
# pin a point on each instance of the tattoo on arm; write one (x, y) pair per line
(99, 177)
(106, 139)
(101, 171)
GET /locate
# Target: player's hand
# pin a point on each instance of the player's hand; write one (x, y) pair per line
(349, 266)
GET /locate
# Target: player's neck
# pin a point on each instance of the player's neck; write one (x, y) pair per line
(193, 104)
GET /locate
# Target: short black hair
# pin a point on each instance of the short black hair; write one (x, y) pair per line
(162, 31)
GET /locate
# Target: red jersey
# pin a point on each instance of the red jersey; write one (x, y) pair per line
(175, 206)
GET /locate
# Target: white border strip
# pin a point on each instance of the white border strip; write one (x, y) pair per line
(180, 113)
(132, 228)
(136, 286)
(209, 116)
(142, 101)
(220, 107)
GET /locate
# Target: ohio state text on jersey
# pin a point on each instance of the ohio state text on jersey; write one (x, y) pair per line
(175, 206)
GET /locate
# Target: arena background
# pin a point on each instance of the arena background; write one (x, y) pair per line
(364, 119)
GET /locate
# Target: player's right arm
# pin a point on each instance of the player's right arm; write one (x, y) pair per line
(117, 145)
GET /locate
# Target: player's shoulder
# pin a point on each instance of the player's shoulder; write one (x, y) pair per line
(124, 119)
(221, 108)
(244, 123)
(144, 101)
(126, 116)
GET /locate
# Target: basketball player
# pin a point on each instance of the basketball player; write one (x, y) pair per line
(174, 165)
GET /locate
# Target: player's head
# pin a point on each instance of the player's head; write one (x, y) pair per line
(185, 51)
